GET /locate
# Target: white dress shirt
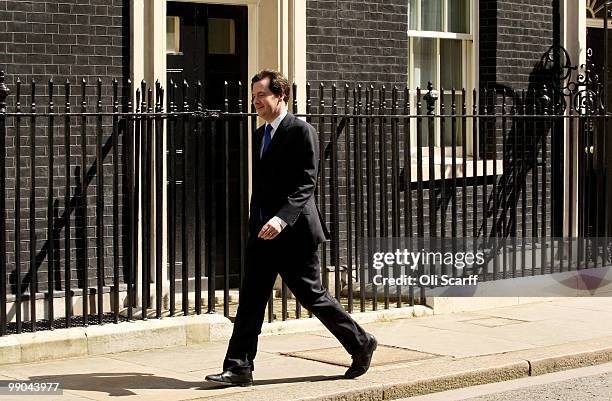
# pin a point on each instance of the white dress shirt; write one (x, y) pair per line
(275, 125)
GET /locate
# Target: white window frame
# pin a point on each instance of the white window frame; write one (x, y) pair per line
(469, 78)
(466, 78)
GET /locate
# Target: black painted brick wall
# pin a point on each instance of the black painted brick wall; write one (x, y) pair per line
(68, 40)
(514, 36)
(350, 41)
(356, 41)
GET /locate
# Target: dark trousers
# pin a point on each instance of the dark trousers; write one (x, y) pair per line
(298, 265)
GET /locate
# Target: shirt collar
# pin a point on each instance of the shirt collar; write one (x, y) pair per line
(278, 120)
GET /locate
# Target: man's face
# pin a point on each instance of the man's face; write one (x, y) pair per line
(267, 104)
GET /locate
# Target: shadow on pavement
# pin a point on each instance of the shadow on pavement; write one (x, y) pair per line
(123, 384)
(118, 384)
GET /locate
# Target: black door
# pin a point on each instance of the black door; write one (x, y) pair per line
(208, 43)
(595, 150)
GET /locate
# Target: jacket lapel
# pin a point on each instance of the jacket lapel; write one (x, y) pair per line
(257, 138)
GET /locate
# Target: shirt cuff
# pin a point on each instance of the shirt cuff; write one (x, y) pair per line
(280, 221)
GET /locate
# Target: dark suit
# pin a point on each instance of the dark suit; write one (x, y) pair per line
(284, 181)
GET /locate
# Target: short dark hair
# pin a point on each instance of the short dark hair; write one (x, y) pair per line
(278, 83)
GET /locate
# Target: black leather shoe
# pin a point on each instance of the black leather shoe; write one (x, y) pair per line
(361, 361)
(232, 379)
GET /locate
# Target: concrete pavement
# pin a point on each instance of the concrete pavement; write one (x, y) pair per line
(416, 356)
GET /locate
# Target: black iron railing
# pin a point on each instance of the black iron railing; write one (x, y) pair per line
(159, 187)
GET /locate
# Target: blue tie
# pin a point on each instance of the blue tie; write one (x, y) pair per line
(267, 138)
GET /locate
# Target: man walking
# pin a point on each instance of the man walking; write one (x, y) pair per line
(285, 230)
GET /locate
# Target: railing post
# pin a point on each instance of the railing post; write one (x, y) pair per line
(4, 92)
(100, 267)
(544, 106)
(18, 279)
(136, 270)
(430, 99)
(159, 188)
(171, 183)
(115, 139)
(67, 208)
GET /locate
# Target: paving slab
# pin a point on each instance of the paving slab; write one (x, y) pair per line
(274, 372)
(178, 359)
(296, 342)
(553, 310)
(64, 366)
(528, 333)
(102, 377)
(25, 397)
(549, 332)
(444, 341)
(384, 355)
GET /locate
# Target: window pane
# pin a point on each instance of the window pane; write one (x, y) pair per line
(413, 15)
(424, 68)
(448, 127)
(221, 36)
(422, 71)
(431, 15)
(450, 64)
(458, 16)
(173, 34)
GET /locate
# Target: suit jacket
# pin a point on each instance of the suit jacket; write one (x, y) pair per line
(284, 182)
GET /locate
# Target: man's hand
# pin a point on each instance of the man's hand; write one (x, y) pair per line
(271, 229)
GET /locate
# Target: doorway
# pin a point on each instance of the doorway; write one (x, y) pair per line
(208, 43)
